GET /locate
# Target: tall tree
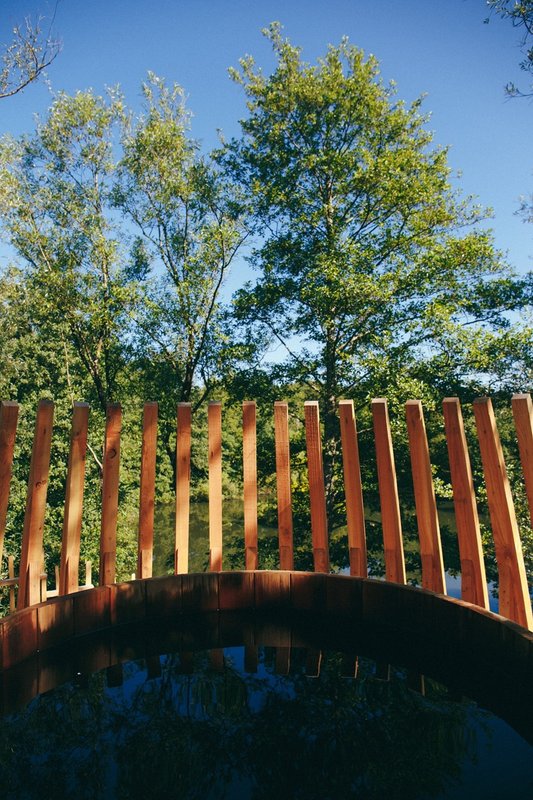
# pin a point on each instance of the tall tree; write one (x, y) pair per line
(368, 262)
(189, 229)
(54, 208)
(190, 226)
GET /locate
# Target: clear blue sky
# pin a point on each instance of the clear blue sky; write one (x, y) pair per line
(437, 47)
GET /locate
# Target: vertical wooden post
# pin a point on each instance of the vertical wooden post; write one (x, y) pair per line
(317, 494)
(183, 484)
(31, 561)
(388, 494)
(473, 579)
(355, 512)
(8, 428)
(11, 574)
(514, 602)
(249, 469)
(72, 519)
(110, 482)
(426, 505)
(214, 424)
(283, 485)
(145, 546)
(523, 420)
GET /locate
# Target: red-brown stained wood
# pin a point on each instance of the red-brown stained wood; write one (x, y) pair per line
(473, 578)
(70, 542)
(147, 491)
(11, 574)
(353, 491)
(272, 590)
(249, 469)
(283, 485)
(214, 424)
(183, 487)
(425, 502)
(317, 494)
(8, 428)
(20, 639)
(110, 482)
(32, 560)
(514, 602)
(523, 420)
(388, 494)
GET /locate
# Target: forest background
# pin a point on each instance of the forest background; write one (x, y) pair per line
(373, 274)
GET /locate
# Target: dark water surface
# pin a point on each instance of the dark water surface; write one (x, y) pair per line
(252, 723)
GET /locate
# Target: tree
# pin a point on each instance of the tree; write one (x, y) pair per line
(190, 229)
(368, 258)
(54, 208)
(521, 16)
(26, 57)
(520, 13)
(190, 225)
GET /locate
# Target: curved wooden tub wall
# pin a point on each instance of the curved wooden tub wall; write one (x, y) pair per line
(473, 651)
(515, 602)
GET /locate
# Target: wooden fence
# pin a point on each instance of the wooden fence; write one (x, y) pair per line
(514, 599)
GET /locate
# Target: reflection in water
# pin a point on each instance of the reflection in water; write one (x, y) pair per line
(192, 725)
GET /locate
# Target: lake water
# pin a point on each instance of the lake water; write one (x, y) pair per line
(209, 725)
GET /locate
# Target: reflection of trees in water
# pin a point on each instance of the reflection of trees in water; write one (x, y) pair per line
(227, 734)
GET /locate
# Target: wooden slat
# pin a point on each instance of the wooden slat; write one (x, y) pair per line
(523, 420)
(425, 502)
(353, 490)
(514, 601)
(183, 487)
(110, 483)
(283, 485)
(11, 573)
(147, 491)
(317, 494)
(473, 578)
(388, 493)
(214, 424)
(249, 469)
(32, 561)
(72, 519)
(8, 428)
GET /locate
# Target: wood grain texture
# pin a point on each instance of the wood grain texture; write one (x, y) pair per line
(353, 490)
(283, 485)
(473, 578)
(110, 484)
(72, 520)
(214, 424)
(317, 494)
(388, 493)
(523, 420)
(183, 487)
(8, 428)
(514, 602)
(147, 491)
(425, 502)
(32, 561)
(249, 469)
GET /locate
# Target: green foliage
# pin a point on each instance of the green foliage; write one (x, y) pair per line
(372, 273)
(521, 16)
